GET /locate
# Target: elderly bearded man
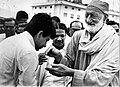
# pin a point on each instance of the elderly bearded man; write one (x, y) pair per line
(92, 56)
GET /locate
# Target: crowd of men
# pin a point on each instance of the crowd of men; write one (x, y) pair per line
(11, 26)
(45, 53)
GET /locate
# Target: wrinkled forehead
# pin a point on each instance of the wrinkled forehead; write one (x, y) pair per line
(94, 9)
(10, 23)
(60, 31)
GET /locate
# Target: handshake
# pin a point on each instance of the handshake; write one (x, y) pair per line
(56, 68)
(50, 52)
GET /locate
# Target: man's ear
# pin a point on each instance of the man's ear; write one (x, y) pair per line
(39, 34)
(106, 17)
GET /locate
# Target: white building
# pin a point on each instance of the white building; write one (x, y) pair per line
(67, 11)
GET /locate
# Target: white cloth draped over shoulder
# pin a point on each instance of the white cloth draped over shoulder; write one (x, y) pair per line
(96, 62)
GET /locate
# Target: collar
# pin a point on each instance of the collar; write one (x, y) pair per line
(30, 38)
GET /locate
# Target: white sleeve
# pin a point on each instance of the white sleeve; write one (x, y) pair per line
(28, 65)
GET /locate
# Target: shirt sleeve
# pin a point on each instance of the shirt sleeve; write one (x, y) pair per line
(71, 50)
(100, 75)
(28, 66)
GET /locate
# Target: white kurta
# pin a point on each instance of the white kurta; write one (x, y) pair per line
(51, 80)
(18, 61)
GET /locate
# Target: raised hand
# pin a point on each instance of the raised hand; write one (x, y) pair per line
(53, 52)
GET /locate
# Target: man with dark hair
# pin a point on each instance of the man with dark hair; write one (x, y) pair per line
(59, 40)
(21, 21)
(92, 56)
(55, 20)
(9, 26)
(46, 79)
(21, 17)
(18, 56)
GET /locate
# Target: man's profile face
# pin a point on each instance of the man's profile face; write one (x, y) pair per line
(94, 19)
(58, 41)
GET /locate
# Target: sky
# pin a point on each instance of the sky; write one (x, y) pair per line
(16, 5)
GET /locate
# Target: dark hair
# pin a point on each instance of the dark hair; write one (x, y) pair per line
(57, 19)
(78, 22)
(62, 26)
(41, 22)
(21, 14)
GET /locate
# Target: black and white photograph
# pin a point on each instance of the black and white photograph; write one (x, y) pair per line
(59, 43)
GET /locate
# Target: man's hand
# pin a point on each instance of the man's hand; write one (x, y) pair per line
(60, 70)
(42, 58)
(53, 52)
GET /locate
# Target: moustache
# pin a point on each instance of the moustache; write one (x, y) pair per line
(91, 22)
(59, 41)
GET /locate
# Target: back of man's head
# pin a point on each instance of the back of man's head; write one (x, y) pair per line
(62, 26)
(57, 19)
(41, 22)
(21, 15)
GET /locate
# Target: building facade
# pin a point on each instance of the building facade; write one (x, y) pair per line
(67, 10)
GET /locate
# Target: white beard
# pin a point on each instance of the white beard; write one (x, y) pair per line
(94, 28)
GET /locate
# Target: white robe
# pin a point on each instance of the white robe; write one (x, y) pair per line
(96, 62)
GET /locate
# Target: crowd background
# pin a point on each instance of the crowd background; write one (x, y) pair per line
(68, 38)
